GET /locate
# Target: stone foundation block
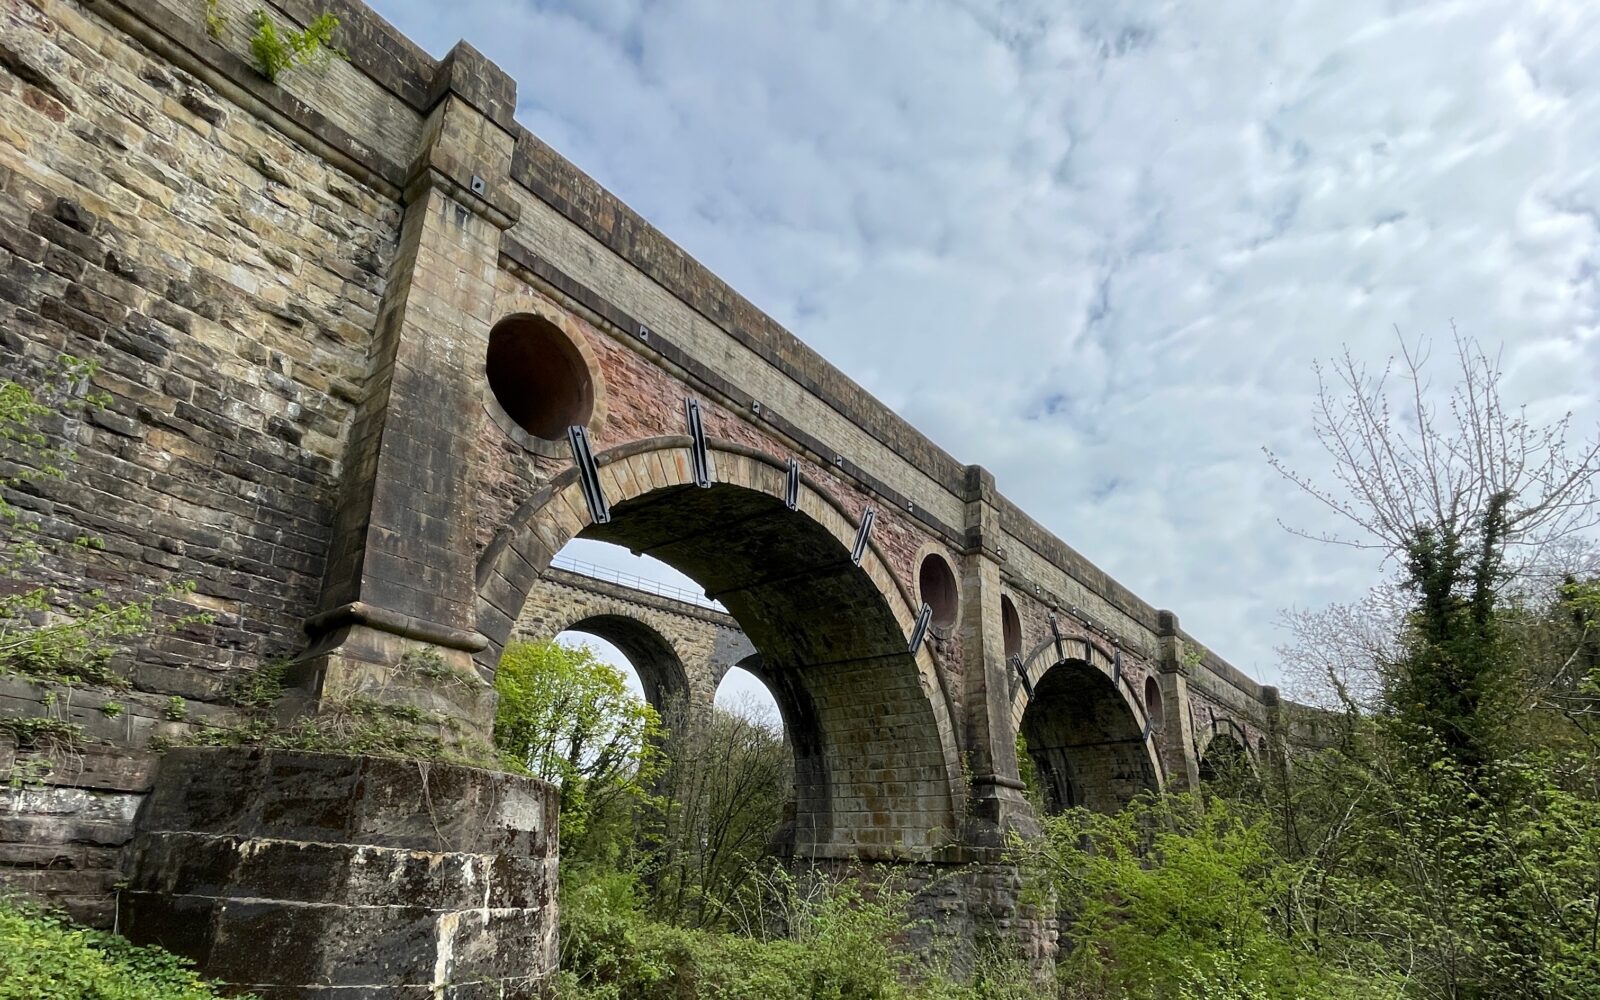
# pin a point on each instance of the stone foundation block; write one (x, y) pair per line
(302, 876)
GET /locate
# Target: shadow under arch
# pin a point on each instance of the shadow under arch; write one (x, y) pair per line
(1225, 756)
(1088, 735)
(877, 769)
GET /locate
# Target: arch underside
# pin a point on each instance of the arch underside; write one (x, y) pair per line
(876, 770)
(1225, 755)
(1088, 739)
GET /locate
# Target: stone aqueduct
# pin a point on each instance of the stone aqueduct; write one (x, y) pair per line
(375, 353)
(682, 650)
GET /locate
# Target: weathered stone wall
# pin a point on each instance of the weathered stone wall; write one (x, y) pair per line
(62, 834)
(225, 279)
(315, 875)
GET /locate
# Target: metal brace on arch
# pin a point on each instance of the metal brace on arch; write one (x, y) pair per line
(588, 475)
(920, 632)
(863, 535)
(699, 456)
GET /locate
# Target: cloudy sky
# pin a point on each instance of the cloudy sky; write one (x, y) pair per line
(1095, 246)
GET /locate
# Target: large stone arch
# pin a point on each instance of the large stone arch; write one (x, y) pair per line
(877, 768)
(1088, 733)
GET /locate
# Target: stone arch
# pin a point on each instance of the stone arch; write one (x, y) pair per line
(1224, 749)
(659, 664)
(1087, 731)
(878, 771)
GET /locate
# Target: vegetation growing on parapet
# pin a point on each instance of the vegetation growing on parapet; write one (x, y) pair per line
(276, 51)
(370, 724)
(216, 23)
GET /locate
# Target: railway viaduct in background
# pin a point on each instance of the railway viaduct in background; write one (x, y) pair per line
(374, 354)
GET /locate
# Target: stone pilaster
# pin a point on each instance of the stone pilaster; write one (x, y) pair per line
(400, 577)
(998, 804)
(1175, 743)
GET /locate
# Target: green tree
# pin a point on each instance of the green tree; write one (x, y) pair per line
(1449, 835)
(570, 719)
(727, 784)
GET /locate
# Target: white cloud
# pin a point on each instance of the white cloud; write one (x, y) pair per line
(1094, 247)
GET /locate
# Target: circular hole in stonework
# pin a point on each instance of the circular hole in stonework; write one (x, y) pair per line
(937, 584)
(538, 376)
(1010, 627)
(1152, 701)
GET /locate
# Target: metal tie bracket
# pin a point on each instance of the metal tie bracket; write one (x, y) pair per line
(920, 632)
(588, 475)
(699, 458)
(863, 534)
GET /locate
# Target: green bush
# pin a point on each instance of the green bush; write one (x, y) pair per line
(278, 51)
(45, 957)
(840, 944)
(1179, 896)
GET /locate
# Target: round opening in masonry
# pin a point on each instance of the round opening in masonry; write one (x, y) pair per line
(937, 585)
(538, 376)
(1010, 627)
(1152, 701)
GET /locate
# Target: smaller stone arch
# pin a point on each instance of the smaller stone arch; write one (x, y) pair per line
(1154, 704)
(659, 664)
(1010, 629)
(1087, 732)
(938, 585)
(1225, 753)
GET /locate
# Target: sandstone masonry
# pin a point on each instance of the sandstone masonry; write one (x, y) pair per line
(345, 323)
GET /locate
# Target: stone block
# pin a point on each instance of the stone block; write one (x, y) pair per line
(302, 872)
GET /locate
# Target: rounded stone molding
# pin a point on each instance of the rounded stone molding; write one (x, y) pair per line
(1010, 627)
(541, 376)
(938, 586)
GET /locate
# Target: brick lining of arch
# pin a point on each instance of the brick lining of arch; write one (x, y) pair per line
(878, 775)
(1106, 772)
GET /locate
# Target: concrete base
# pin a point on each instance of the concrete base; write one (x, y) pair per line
(303, 876)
